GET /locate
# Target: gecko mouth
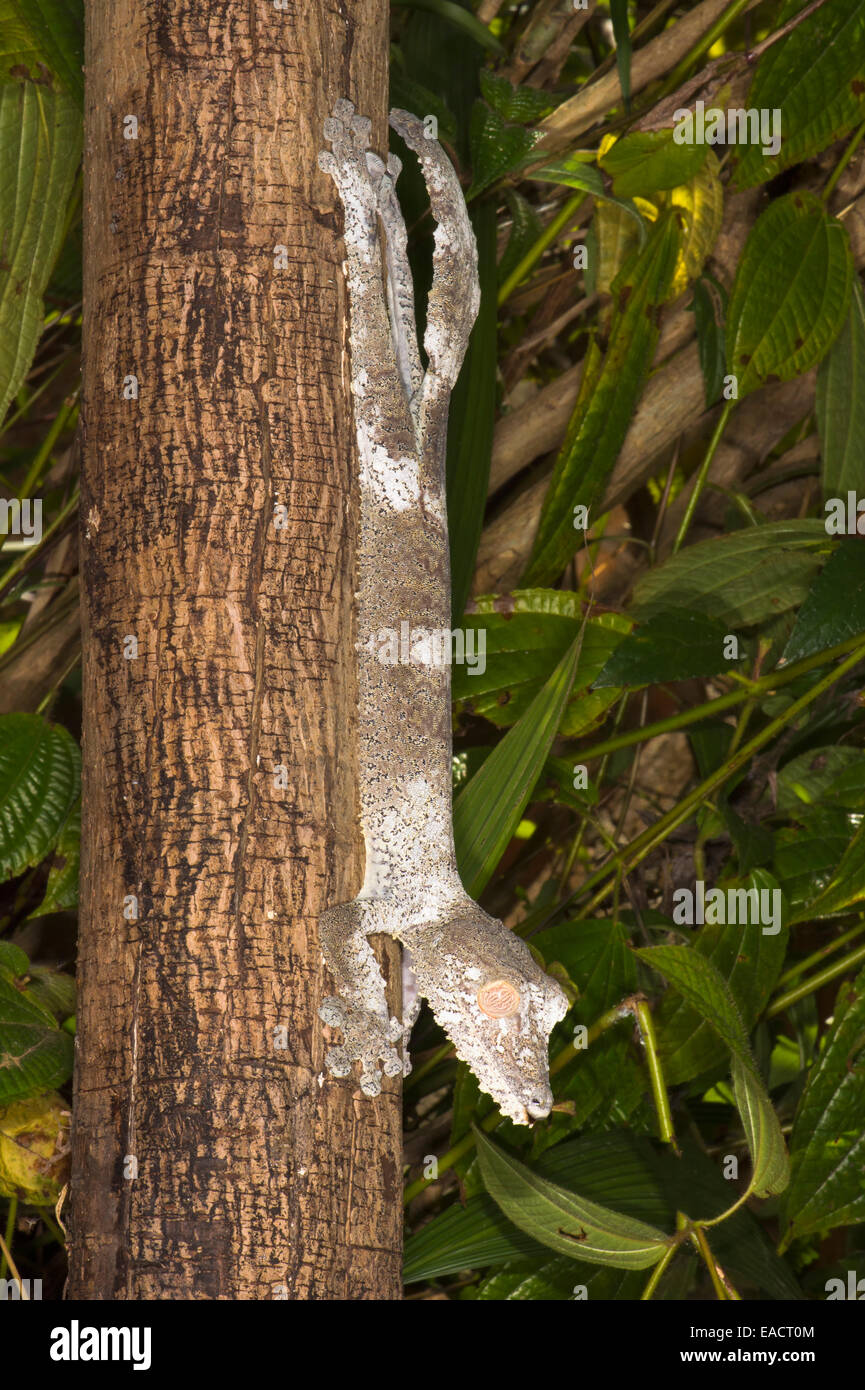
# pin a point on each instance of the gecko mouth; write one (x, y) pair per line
(540, 1105)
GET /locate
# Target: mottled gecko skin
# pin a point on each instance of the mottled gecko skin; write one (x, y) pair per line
(412, 890)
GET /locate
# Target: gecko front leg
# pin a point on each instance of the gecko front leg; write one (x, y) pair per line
(360, 1009)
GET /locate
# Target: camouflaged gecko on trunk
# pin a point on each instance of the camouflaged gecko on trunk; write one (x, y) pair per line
(485, 989)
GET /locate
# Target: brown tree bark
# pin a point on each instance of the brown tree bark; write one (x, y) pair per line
(204, 867)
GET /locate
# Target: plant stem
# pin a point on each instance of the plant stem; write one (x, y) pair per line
(646, 1026)
(26, 555)
(546, 238)
(700, 480)
(703, 44)
(724, 1290)
(843, 162)
(633, 854)
(816, 956)
(658, 1272)
(771, 682)
(823, 977)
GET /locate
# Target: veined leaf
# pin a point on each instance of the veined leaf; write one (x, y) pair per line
(747, 961)
(525, 230)
(496, 147)
(815, 77)
(35, 1055)
(61, 890)
(562, 1220)
(847, 886)
(40, 778)
(701, 200)
(743, 578)
(700, 982)
(828, 1140)
(791, 293)
(835, 607)
(710, 310)
(769, 1160)
(841, 402)
(490, 808)
(40, 145)
(36, 34)
(525, 634)
(648, 161)
(670, 646)
(606, 403)
(525, 105)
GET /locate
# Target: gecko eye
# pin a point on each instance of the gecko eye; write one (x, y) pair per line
(499, 999)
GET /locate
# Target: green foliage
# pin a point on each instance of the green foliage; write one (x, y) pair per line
(652, 716)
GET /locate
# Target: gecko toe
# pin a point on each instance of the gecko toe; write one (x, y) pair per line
(337, 1061)
(370, 1083)
(332, 1012)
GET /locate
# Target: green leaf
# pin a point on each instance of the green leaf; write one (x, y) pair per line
(489, 809)
(670, 646)
(648, 161)
(40, 145)
(835, 607)
(49, 33)
(791, 293)
(526, 633)
(841, 402)
(741, 579)
(525, 105)
(409, 95)
(598, 959)
(621, 33)
(847, 886)
(565, 1222)
(573, 171)
(39, 780)
(461, 19)
(769, 1160)
(496, 147)
(607, 399)
(700, 982)
(827, 1145)
(471, 419)
(61, 890)
(710, 308)
(807, 854)
(557, 1279)
(35, 1055)
(525, 230)
(816, 77)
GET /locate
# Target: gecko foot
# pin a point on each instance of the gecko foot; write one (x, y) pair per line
(367, 1038)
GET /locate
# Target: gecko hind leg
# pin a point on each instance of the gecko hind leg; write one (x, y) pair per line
(359, 1009)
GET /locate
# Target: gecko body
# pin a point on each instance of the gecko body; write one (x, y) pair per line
(484, 987)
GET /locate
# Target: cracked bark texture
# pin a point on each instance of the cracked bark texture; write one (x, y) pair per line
(257, 1177)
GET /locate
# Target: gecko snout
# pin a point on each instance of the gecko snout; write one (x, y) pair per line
(540, 1103)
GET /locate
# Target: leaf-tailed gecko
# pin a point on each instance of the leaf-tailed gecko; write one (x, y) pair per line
(484, 987)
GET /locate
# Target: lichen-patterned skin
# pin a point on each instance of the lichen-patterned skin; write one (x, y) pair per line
(412, 889)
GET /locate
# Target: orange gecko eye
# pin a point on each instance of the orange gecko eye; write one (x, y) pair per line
(499, 999)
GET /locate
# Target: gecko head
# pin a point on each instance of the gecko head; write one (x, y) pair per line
(498, 1007)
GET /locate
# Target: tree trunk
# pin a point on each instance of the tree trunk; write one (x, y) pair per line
(211, 1156)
